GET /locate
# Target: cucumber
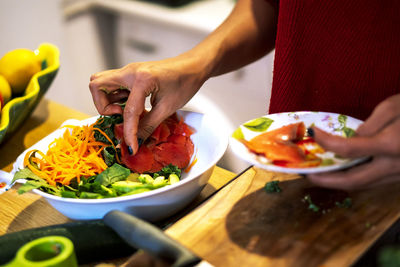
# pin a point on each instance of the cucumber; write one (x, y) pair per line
(93, 241)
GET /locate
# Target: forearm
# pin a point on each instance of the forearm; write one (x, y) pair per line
(245, 36)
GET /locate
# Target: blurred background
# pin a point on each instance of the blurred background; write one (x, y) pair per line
(95, 35)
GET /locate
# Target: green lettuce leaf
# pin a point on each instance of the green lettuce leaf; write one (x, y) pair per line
(112, 174)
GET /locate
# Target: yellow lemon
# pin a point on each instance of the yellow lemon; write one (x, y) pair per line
(18, 66)
(5, 90)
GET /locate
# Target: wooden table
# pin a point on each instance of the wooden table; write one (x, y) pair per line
(19, 212)
(241, 224)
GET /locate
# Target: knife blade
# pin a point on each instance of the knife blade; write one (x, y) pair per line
(144, 235)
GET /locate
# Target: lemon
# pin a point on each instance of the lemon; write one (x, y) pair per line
(5, 90)
(18, 66)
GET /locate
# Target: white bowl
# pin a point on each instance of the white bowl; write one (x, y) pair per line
(210, 143)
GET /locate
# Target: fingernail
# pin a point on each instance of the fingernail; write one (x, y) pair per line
(310, 132)
(130, 150)
(140, 141)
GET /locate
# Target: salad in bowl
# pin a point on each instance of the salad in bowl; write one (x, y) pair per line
(84, 169)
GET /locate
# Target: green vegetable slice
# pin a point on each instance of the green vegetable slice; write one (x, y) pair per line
(112, 174)
(238, 134)
(259, 124)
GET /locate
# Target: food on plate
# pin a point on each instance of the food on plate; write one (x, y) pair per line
(92, 161)
(288, 146)
(18, 66)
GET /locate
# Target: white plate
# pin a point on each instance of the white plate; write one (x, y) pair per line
(210, 144)
(5, 180)
(333, 123)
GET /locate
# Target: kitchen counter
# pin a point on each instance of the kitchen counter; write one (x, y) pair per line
(233, 222)
(203, 15)
(20, 212)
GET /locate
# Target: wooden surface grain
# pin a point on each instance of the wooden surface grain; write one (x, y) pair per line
(243, 225)
(29, 210)
(19, 212)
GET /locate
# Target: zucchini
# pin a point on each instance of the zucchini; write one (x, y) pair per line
(93, 241)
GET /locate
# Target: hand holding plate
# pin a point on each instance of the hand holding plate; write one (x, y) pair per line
(378, 138)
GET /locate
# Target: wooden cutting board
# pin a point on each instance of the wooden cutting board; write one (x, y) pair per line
(242, 225)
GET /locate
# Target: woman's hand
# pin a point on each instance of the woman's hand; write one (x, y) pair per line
(170, 83)
(246, 35)
(379, 138)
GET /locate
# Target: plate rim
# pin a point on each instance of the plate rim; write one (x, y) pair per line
(234, 143)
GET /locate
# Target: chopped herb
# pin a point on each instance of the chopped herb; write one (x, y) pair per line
(272, 187)
(311, 205)
(346, 203)
(106, 124)
(109, 156)
(167, 170)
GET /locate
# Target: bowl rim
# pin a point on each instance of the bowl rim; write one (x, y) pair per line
(223, 145)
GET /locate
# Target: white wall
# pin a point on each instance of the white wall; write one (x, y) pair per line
(26, 24)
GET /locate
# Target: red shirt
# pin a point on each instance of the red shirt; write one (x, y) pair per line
(338, 56)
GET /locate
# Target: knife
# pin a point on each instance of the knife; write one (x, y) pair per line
(143, 235)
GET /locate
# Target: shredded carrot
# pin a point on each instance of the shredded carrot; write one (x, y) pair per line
(74, 155)
(191, 165)
(109, 140)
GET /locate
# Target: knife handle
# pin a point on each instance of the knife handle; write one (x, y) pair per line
(143, 235)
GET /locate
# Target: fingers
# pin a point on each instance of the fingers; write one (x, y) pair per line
(383, 114)
(118, 96)
(377, 137)
(105, 90)
(100, 74)
(151, 120)
(143, 128)
(357, 146)
(385, 142)
(133, 109)
(380, 170)
(107, 93)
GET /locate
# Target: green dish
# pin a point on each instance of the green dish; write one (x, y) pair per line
(19, 108)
